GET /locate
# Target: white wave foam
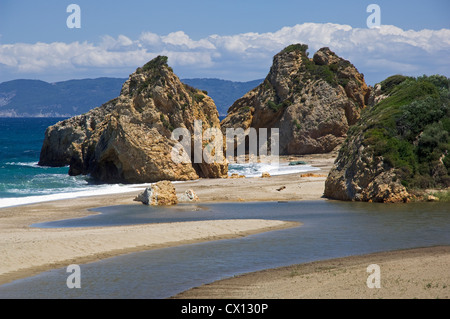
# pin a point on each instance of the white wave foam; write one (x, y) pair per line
(247, 169)
(100, 190)
(256, 169)
(29, 164)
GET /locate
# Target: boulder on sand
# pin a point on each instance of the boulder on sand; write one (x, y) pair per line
(158, 194)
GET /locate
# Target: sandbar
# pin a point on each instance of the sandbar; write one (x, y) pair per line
(26, 251)
(419, 273)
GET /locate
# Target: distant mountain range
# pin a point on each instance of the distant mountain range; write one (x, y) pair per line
(35, 98)
(224, 93)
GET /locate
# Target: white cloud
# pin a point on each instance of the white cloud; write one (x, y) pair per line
(150, 40)
(180, 39)
(383, 51)
(121, 43)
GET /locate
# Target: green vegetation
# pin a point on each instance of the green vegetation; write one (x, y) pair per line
(153, 67)
(273, 106)
(297, 124)
(312, 71)
(276, 107)
(142, 86)
(194, 93)
(267, 85)
(189, 88)
(444, 196)
(391, 82)
(411, 130)
(198, 97)
(296, 47)
(317, 72)
(155, 63)
(244, 109)
(343, 82)
(329, 72)
(165, 122)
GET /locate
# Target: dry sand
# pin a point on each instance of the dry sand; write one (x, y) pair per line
(291, 187)
(26, 251)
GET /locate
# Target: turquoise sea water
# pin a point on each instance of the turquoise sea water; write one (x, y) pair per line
(20, 146)
(22, 181)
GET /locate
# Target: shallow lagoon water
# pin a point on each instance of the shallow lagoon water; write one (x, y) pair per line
(330, 229)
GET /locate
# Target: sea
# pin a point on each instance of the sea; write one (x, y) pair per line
(23, 181)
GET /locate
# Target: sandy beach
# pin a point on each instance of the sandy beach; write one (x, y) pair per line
(421, 273)
(26, 251)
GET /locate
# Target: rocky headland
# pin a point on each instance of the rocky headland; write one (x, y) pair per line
(399, 149)
(128, 139)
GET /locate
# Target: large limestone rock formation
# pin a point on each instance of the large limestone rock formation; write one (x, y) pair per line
(65, 138)
(312, 101)
(128, 139)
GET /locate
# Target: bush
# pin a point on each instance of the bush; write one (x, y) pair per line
(410, 130)
(443, 196)
(276, 107)
(391, 82)
(317, 72)
(165, 122)
(439, 81)
(198, 97)
(155, 63)
(296, 47)
(343, 82)
(273, 106)
(418, 114)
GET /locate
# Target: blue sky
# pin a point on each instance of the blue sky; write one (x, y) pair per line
(231, 39)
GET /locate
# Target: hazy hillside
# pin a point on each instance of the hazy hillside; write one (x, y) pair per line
(223, 92)
(32, 98)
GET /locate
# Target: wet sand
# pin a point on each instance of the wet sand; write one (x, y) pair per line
(422, 273)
